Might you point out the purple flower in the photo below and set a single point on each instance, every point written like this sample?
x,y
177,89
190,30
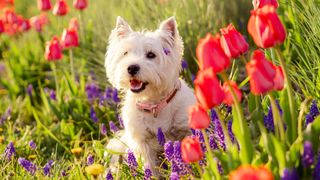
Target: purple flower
x,y
198,133
289,174
120,121
177,164
217,131
113,127
316,174
47,168
168,150
108,93
90,159
309,119
30,89
109,176
32,144
93,115
229,109
93,91
220,169
147,173
160,136
6,115
9,151
27,165
64,173
166,51
52,95
174,176
314,111
307,156
132,162
115,97
184,64
212,142
268,121
231,135
103,129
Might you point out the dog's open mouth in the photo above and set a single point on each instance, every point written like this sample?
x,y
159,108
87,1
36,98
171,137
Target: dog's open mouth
x,y
137,86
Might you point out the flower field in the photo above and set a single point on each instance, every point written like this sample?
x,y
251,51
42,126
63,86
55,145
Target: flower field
x,y
254,67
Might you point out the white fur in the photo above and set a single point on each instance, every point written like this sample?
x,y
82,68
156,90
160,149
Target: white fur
x,y
162,73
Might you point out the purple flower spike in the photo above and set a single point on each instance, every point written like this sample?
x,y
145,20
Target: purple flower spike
x,y
47,168
32,145
218,133
27,165
108,93
289,174
93,91
168,150
147,173
115,97
184,64
120,121
90,159
52,95
166,51
161,138
113,127
174,176
268,121
10,151
132,162
316,174
93,115
212,142
307,156
314,111
103,129
232,138
109,176
30,89
6,115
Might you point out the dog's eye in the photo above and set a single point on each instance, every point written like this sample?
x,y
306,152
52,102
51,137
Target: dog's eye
x,y
150,55
125,53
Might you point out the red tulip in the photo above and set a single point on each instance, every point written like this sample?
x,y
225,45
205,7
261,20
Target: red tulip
x,y
70,38
44,5
261,73
25,25
232,42
4,3
74,24
1,26
210,54
60,8
228,98
10,17
80,4
53,50
279,79
265,27
38,22
191,150
198,117
251,173
260,3
207,89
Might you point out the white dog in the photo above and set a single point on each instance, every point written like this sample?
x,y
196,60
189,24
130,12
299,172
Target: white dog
x,y
145,66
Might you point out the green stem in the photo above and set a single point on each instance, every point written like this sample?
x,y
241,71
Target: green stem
x,y
290,95
243,59
82,27
199,169
54,69
300,118
277,119
71,63
246,148
224,130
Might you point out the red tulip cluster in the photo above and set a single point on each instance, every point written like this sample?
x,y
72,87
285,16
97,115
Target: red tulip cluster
x,y
250,172
214,54
12,23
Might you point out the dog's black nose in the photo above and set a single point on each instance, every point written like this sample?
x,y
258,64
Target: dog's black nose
x,y
133,69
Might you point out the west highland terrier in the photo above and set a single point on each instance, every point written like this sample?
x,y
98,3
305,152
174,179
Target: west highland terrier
x,y
145,66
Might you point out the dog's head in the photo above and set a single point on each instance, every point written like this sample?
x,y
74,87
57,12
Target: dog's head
x,y
144,62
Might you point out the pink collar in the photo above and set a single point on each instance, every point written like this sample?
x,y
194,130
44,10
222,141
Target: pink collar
x,y
155,109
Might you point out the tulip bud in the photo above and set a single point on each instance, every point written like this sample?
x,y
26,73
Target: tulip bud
x,y
60,8
191,150
198,117
44,5
228,98
70,38
53,50
80,4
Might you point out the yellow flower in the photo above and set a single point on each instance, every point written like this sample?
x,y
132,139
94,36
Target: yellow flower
x,y
95,169
1,139
1,129
32,157
77,151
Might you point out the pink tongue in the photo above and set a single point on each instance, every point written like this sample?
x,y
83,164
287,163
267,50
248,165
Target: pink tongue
x,y
135,83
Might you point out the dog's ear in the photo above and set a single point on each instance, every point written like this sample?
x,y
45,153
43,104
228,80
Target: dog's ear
x,y
122,28
170,25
